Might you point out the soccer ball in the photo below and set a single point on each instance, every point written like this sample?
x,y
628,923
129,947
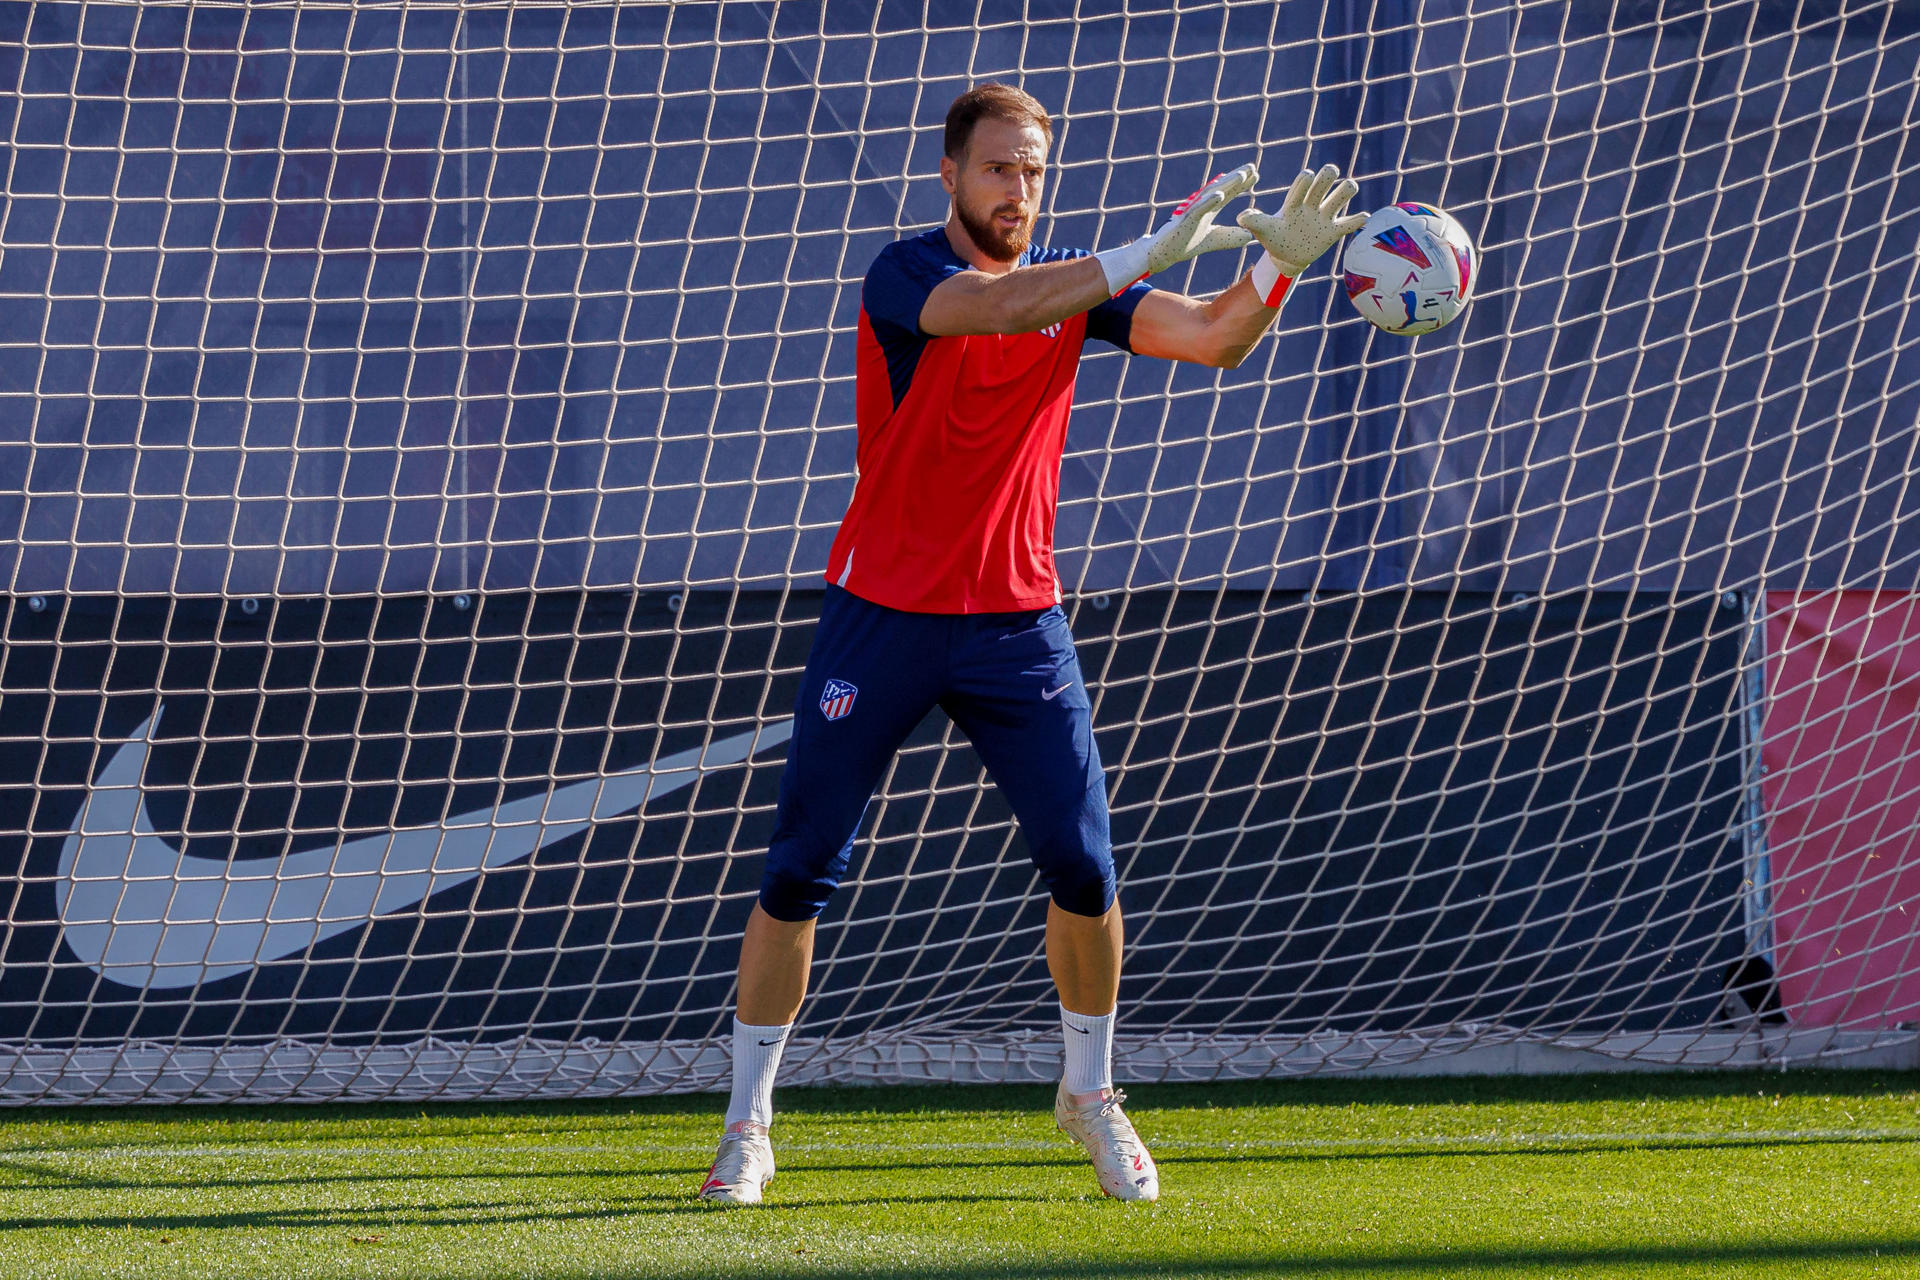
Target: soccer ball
x,y
1411,269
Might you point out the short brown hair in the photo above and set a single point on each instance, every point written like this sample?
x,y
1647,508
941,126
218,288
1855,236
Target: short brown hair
x,y
1001,101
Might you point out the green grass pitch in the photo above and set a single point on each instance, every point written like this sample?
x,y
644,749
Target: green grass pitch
x,y
1734,1175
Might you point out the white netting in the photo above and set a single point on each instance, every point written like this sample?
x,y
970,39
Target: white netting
x,y
429,424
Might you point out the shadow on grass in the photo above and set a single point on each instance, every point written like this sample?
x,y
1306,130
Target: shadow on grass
x,y
853,1106
475,1213
45,1175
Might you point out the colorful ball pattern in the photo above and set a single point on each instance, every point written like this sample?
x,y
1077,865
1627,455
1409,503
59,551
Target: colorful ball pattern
x,y
1411,269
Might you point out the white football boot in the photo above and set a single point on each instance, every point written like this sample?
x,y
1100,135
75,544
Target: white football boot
x,y
741,1168
1119,1157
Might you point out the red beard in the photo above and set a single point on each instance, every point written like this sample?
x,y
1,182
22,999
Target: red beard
x,y
995,241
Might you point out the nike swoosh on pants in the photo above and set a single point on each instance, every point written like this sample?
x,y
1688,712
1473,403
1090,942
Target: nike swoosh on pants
x,y
142,913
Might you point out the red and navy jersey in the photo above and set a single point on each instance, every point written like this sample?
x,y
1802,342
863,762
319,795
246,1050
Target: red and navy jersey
x,y
959,443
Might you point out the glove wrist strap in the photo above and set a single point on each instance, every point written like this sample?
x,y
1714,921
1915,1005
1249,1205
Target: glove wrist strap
x,y
1272,278
1124,266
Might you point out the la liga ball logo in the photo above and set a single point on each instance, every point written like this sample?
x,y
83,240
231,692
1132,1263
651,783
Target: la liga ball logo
x,y
1411,269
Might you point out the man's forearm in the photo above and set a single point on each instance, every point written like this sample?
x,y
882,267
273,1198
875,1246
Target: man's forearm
x,y
1238,318
1050,293
1023,301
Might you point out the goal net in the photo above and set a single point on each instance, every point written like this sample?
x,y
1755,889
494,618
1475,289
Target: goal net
x,y
424,427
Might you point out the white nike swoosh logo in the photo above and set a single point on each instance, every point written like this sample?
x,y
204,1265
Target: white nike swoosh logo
x,y
139,912
1048,695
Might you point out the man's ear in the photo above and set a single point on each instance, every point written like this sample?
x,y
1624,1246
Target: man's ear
x,y
949,173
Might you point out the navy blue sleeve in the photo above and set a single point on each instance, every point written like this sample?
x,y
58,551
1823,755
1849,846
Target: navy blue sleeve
x,y
1112,320
897,286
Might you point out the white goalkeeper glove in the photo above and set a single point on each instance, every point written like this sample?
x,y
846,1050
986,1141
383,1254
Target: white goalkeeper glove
x,y
1188,233
1308,224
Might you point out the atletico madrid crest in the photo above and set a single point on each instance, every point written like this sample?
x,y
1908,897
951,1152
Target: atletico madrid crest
x,y
837,699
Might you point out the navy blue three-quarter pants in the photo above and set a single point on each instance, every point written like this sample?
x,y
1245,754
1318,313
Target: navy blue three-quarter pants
x,y
1011,681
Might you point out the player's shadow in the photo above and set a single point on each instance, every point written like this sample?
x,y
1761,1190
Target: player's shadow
x,y
18,1173
474,1213
599,1119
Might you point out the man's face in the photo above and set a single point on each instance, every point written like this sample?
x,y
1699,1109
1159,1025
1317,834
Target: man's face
x,y
996,185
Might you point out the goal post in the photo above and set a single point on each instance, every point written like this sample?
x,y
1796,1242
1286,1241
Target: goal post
x,y
426,426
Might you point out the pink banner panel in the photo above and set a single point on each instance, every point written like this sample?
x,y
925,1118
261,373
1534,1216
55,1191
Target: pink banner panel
x,y
1842,791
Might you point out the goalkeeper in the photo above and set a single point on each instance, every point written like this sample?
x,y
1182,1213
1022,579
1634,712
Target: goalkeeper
x,y
942,589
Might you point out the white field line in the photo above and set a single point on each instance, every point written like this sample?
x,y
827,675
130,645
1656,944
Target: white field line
x,y
1385,1144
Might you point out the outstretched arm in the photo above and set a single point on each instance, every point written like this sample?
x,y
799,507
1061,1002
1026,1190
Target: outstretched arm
x,y
1032,298
1222,330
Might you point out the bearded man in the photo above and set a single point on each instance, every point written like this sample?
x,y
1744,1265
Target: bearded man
x,y
942,589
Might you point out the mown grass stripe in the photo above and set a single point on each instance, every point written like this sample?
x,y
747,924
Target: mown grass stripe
x,y
453,1146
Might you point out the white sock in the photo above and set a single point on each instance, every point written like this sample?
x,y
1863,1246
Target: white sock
x,y
1089,1051
756,1057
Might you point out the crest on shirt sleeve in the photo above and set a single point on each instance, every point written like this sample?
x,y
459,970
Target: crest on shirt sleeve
x,y
836,700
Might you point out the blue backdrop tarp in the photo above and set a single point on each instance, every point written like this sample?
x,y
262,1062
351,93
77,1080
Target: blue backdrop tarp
x,y
340,301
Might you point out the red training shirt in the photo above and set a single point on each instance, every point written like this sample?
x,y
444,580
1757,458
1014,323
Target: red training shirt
x,y
959,443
